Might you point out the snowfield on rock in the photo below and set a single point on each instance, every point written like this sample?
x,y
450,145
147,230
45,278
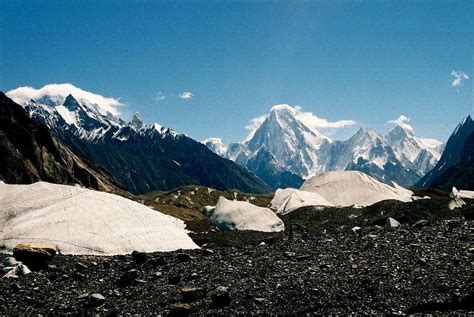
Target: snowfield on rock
x,y
455,193
82,221
289,199
348,188
240,215
339,189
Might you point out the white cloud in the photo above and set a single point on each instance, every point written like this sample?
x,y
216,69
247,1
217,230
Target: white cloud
x,y
61,91
253,126
307,118
159,96
314,122
402,121
458,77
185,95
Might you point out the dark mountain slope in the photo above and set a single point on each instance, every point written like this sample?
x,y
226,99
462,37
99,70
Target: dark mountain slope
x,y
451,155
461,174
28,153
146,163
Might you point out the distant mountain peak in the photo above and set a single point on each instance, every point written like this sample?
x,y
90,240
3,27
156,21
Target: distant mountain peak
x,y
137,120
71,103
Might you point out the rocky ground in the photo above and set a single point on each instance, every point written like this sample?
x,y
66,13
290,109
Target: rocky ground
x,y
319,265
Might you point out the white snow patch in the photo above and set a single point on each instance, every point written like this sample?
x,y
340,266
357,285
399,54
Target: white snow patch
x,y
348,188
67,115
81,221
462,193
240,215
289,199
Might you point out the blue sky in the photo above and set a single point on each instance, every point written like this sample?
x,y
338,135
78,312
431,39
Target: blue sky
x,y
365,61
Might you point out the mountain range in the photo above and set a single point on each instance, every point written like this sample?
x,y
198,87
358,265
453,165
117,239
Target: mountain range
x,y
295,150
141,157
60,138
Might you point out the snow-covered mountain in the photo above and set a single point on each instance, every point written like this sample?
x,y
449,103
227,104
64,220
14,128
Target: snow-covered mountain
x,y
409,149
294,145
289,143
142,157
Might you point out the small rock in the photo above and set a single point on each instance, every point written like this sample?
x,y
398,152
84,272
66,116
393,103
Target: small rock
x,y
140,281
160,261
139,257
9,262
259,299
422,260
297,232
17,271
96,299
391,223
78,276
180,309
83,296
157,275
191,294
303,257
80,267
207,252
221,297
183,257
420,223
356,230
174,279
128,277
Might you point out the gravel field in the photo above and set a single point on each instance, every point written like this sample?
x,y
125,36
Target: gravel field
x,y
425,267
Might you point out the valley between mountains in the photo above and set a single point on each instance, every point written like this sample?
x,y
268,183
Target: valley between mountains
x,y
103,216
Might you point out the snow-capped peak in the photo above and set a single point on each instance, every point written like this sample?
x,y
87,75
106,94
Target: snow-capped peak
x,y
55,95
412,150
136,121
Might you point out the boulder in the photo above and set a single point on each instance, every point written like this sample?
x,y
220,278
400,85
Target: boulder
x,y
35,256
391,223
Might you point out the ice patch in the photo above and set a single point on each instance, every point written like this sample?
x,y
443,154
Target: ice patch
x,y
81,221
240,215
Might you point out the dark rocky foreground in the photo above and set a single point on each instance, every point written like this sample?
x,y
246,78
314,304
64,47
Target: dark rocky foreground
x,y
419,267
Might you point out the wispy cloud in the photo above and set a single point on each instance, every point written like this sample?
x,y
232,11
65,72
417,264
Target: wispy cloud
x,y
315,122
402,121
186,95
159,96
458,78
106,104
253,125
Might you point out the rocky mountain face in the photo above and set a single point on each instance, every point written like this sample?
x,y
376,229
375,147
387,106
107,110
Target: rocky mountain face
x,y
295,147
29,153
141,157
456,165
